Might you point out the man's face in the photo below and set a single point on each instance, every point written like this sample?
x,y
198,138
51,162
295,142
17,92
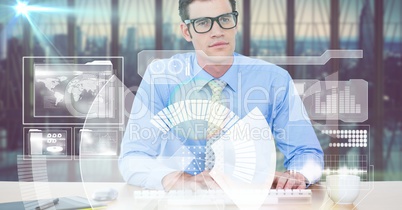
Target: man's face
x,y
218,41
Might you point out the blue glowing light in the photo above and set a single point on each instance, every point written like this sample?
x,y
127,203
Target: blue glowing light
x,y
22,8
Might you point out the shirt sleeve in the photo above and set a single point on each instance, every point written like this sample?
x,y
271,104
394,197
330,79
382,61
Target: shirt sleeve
x,y
142,141
294,133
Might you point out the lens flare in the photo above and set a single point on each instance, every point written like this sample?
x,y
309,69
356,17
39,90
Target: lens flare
x,y
22,8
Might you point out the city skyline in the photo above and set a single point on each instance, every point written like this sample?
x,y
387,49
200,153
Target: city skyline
x,y
308,22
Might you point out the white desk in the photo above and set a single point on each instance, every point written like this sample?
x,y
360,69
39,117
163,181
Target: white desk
x,y
382,195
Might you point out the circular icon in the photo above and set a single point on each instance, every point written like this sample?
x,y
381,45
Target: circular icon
x,y
157,67
54,149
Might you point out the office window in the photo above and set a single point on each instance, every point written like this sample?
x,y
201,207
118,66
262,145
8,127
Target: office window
x,y
136,33
356,31
312,27
312,35
49,31
268,28
93,30
172,38
392,149
352,19
392,52
137,25
239,37
11,25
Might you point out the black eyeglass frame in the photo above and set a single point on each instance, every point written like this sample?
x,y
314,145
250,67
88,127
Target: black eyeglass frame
x,y
213,19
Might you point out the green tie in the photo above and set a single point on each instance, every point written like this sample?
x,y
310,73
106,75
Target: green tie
x,y
216,87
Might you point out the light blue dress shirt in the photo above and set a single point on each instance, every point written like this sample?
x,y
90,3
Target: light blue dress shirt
x,y
148,154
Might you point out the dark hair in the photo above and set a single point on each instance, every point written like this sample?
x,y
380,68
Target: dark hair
x,y
183,8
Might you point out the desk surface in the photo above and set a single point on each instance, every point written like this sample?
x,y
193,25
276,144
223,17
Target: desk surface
x,y
377,195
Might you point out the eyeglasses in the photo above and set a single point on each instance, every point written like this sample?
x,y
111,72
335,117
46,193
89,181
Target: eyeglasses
x,y
204,24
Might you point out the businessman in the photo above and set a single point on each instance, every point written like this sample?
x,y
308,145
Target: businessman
x,y
217,74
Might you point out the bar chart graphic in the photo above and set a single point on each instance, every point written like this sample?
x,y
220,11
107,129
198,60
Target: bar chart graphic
x,y
346,103
335,100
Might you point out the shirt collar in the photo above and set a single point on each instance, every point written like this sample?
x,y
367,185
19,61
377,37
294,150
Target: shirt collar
x,y
202,77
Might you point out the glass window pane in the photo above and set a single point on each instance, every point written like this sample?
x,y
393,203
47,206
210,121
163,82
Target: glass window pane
x,y
137,25
268,28
136,33
357,32
172,38
49,31
93,27
312,35
239,37
392,97
312,29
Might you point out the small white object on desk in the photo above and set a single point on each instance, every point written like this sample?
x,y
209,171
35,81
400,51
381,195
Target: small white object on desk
x,y
343,189
106,194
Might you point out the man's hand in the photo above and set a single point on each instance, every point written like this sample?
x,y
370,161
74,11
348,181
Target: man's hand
x,y
183,181
289,180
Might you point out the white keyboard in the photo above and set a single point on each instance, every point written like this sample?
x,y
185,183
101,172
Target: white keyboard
x,y
208,197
